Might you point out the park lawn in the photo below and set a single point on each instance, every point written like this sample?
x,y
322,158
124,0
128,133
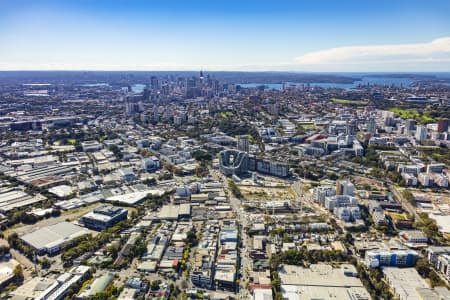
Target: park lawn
x,y
225,114
72,141
405,113
412,113
427,118
347,101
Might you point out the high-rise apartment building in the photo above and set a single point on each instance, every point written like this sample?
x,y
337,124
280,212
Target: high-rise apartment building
x,y
421,133
243,143
443,125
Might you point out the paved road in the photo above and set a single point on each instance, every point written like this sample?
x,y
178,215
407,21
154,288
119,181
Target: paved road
x,y
245,261
242,218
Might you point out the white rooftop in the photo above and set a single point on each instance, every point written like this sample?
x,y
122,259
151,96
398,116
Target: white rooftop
x,y
53,235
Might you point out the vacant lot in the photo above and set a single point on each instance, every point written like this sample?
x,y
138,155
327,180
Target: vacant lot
x,y
261,193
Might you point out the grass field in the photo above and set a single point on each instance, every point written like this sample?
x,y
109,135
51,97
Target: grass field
x,y
397,216
412,114
347,101
225,114
307,125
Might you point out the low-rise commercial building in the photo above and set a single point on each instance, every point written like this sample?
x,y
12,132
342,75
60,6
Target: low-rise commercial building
x,y
321,282
104,217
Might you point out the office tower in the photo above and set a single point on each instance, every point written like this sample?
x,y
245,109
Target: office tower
x,y
154,83
442,125
243,143
409,126
421,133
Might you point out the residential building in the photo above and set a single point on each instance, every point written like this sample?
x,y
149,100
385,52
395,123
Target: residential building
x,y
421,133
391,257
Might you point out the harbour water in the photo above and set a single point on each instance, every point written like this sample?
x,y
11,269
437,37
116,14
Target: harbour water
x,y
364,81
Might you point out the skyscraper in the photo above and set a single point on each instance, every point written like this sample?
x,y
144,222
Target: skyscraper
x,y
154,84
243,143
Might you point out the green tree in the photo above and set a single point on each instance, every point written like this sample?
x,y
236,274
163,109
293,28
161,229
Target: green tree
x,y
116,150
18,273
408,196
234,189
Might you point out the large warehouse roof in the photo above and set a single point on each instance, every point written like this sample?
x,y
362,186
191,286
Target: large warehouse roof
x,y
53,235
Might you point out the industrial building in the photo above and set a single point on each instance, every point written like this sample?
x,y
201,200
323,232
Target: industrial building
x,y
51,289
38,174
405,283
174,212
11,198
50,239
7,272
321,282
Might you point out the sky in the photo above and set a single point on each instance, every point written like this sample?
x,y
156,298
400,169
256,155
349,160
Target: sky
x,y
244,35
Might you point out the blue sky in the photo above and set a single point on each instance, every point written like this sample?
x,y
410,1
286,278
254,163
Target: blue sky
x,y
319,35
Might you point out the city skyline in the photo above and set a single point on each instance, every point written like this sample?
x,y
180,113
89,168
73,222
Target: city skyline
x,y
378,36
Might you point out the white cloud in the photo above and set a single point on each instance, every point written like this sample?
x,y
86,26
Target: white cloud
x,y
431,56
421,55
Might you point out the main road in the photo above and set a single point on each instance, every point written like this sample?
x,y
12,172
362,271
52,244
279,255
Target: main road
x,y
242,218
